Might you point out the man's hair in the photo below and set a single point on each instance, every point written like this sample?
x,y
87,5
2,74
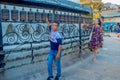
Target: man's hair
x,y
56,22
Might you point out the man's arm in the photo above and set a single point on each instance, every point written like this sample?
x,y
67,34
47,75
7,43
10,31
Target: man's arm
x,y
58,53
47,21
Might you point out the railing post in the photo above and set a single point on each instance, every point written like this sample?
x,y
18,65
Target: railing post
x,y
80,43
2,64
31,52
1,41
53,15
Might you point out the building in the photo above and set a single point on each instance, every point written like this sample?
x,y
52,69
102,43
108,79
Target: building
x,y
96,5
110,9
111,14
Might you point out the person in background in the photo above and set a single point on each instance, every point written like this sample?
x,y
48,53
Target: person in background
x,y
118,33
55,50
111,28
116,28
96,41
118,25
107,28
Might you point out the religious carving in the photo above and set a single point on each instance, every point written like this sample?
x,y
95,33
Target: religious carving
x,y
10,29
25,30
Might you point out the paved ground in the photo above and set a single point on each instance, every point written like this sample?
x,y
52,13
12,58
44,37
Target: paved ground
x,y
107,66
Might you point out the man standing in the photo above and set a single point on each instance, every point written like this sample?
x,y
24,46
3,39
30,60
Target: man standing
x,y
55,49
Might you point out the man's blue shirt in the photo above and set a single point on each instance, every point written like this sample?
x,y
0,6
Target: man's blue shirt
x,y
55,39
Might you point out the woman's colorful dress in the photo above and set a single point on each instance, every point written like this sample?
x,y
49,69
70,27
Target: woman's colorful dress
x,y
97,38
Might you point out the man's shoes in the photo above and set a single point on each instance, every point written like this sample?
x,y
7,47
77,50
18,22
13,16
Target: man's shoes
x,y
50,78
57,78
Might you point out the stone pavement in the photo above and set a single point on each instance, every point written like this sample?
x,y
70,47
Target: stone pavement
x,y
107,66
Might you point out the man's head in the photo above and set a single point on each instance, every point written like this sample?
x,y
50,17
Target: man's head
x,y
55,26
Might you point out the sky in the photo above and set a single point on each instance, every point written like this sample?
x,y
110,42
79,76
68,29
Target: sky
x,y
111,1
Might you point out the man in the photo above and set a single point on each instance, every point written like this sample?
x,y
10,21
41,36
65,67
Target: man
x,y
55,49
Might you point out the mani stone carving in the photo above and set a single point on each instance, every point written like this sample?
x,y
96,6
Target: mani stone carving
x,y
10,29
25,29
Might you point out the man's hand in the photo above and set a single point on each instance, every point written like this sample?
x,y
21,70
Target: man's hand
x,y
57,56
58,53
84,22
47,21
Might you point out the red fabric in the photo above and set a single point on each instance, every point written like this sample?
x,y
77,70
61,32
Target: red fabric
x,y
118,35
110,27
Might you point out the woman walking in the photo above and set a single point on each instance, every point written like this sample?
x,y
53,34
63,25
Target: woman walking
x,y
96,41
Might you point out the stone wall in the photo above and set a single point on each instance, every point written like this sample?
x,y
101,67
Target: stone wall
x,y
26,41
